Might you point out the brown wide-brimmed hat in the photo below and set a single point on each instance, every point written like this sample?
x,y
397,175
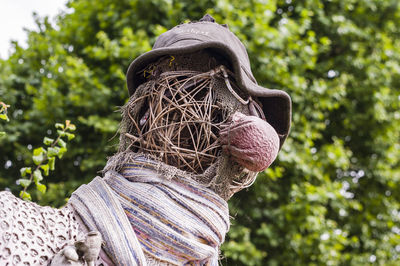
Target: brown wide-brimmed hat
x,y
207,34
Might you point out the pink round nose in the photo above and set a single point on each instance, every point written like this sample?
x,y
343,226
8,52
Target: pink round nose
x,y
251,141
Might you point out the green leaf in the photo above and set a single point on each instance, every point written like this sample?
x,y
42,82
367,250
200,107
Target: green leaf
x,y
25,170
59,126
2,134
51,163
52,151
48,141
45,168
70,136
71,127
61,152
61,133
38,155
25,195
24,182
4,117
37,176
61,143
38,151
38,159
41,187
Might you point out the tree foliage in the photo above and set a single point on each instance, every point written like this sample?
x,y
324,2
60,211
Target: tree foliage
x,y
3,115
332,196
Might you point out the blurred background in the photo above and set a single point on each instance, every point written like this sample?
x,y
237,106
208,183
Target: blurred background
x,y
333,195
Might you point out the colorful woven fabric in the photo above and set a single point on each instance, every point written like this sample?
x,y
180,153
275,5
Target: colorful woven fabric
x,y
139,211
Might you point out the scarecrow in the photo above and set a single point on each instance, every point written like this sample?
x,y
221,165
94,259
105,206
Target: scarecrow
x,y
196,129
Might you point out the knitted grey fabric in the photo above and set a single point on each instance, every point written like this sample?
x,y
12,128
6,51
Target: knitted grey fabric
x,y
31,234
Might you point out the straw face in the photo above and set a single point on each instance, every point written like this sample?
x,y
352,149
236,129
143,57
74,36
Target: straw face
x,y
180,120
176,115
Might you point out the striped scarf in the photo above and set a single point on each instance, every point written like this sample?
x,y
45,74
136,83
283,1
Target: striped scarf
x,y
139,211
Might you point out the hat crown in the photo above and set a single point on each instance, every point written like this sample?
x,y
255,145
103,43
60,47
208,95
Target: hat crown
x,y
207,17
203,31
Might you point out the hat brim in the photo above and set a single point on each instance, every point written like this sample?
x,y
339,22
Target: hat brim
x,y
276,104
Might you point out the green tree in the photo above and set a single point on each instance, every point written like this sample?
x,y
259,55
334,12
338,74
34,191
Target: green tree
x,y
332,196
